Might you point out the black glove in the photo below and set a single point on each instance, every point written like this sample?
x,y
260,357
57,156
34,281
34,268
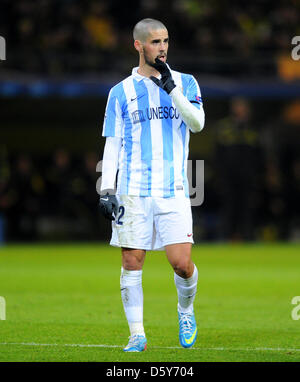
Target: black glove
x,y
166,82
109,205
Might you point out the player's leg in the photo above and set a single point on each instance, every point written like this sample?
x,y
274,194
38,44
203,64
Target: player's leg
x,y
179,256
132,231
132,296
133,259
173,222
186,279
185,274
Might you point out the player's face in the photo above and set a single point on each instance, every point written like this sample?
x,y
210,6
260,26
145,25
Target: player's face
x,y
156,46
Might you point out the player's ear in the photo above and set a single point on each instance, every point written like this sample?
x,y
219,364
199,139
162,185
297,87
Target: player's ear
x,y
138,46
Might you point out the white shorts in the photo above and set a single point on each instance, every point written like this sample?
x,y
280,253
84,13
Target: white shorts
x,y
151,223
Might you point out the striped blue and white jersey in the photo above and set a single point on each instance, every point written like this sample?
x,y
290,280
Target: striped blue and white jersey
x,y
155,140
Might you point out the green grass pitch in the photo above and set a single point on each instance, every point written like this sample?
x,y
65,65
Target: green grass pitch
x,y
63,303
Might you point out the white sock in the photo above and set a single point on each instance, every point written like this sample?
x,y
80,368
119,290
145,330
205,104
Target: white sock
x,y
186,291
132,298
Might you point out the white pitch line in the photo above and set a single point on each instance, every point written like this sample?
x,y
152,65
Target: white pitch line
x,y
153,347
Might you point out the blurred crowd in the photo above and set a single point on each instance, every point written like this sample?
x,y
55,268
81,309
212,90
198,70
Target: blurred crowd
x,y
73,36
253,179
49,197
251,192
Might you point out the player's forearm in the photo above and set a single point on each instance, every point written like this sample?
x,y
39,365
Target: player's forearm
x,y
193,117
110,163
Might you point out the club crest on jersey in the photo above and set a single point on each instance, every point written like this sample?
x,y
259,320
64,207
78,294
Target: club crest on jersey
x,y
138,116
198,98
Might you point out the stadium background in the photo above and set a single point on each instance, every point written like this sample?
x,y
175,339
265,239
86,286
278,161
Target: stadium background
x,y
62,57
59,278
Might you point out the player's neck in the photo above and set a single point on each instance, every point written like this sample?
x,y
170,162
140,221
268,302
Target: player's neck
x,y
147,70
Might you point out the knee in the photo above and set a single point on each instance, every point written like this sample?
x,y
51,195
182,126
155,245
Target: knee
x,y
131,261
184,268
131,264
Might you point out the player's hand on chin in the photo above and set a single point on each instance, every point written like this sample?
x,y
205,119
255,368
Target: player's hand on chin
x,y
166,82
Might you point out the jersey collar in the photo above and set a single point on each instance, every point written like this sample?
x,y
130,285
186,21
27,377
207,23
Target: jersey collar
x,y
139,77
136,75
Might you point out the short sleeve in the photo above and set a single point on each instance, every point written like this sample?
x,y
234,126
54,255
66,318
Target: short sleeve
x,y
113,121
193,93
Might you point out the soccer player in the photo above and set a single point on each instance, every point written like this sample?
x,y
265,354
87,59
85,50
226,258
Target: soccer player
x,y
144,189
